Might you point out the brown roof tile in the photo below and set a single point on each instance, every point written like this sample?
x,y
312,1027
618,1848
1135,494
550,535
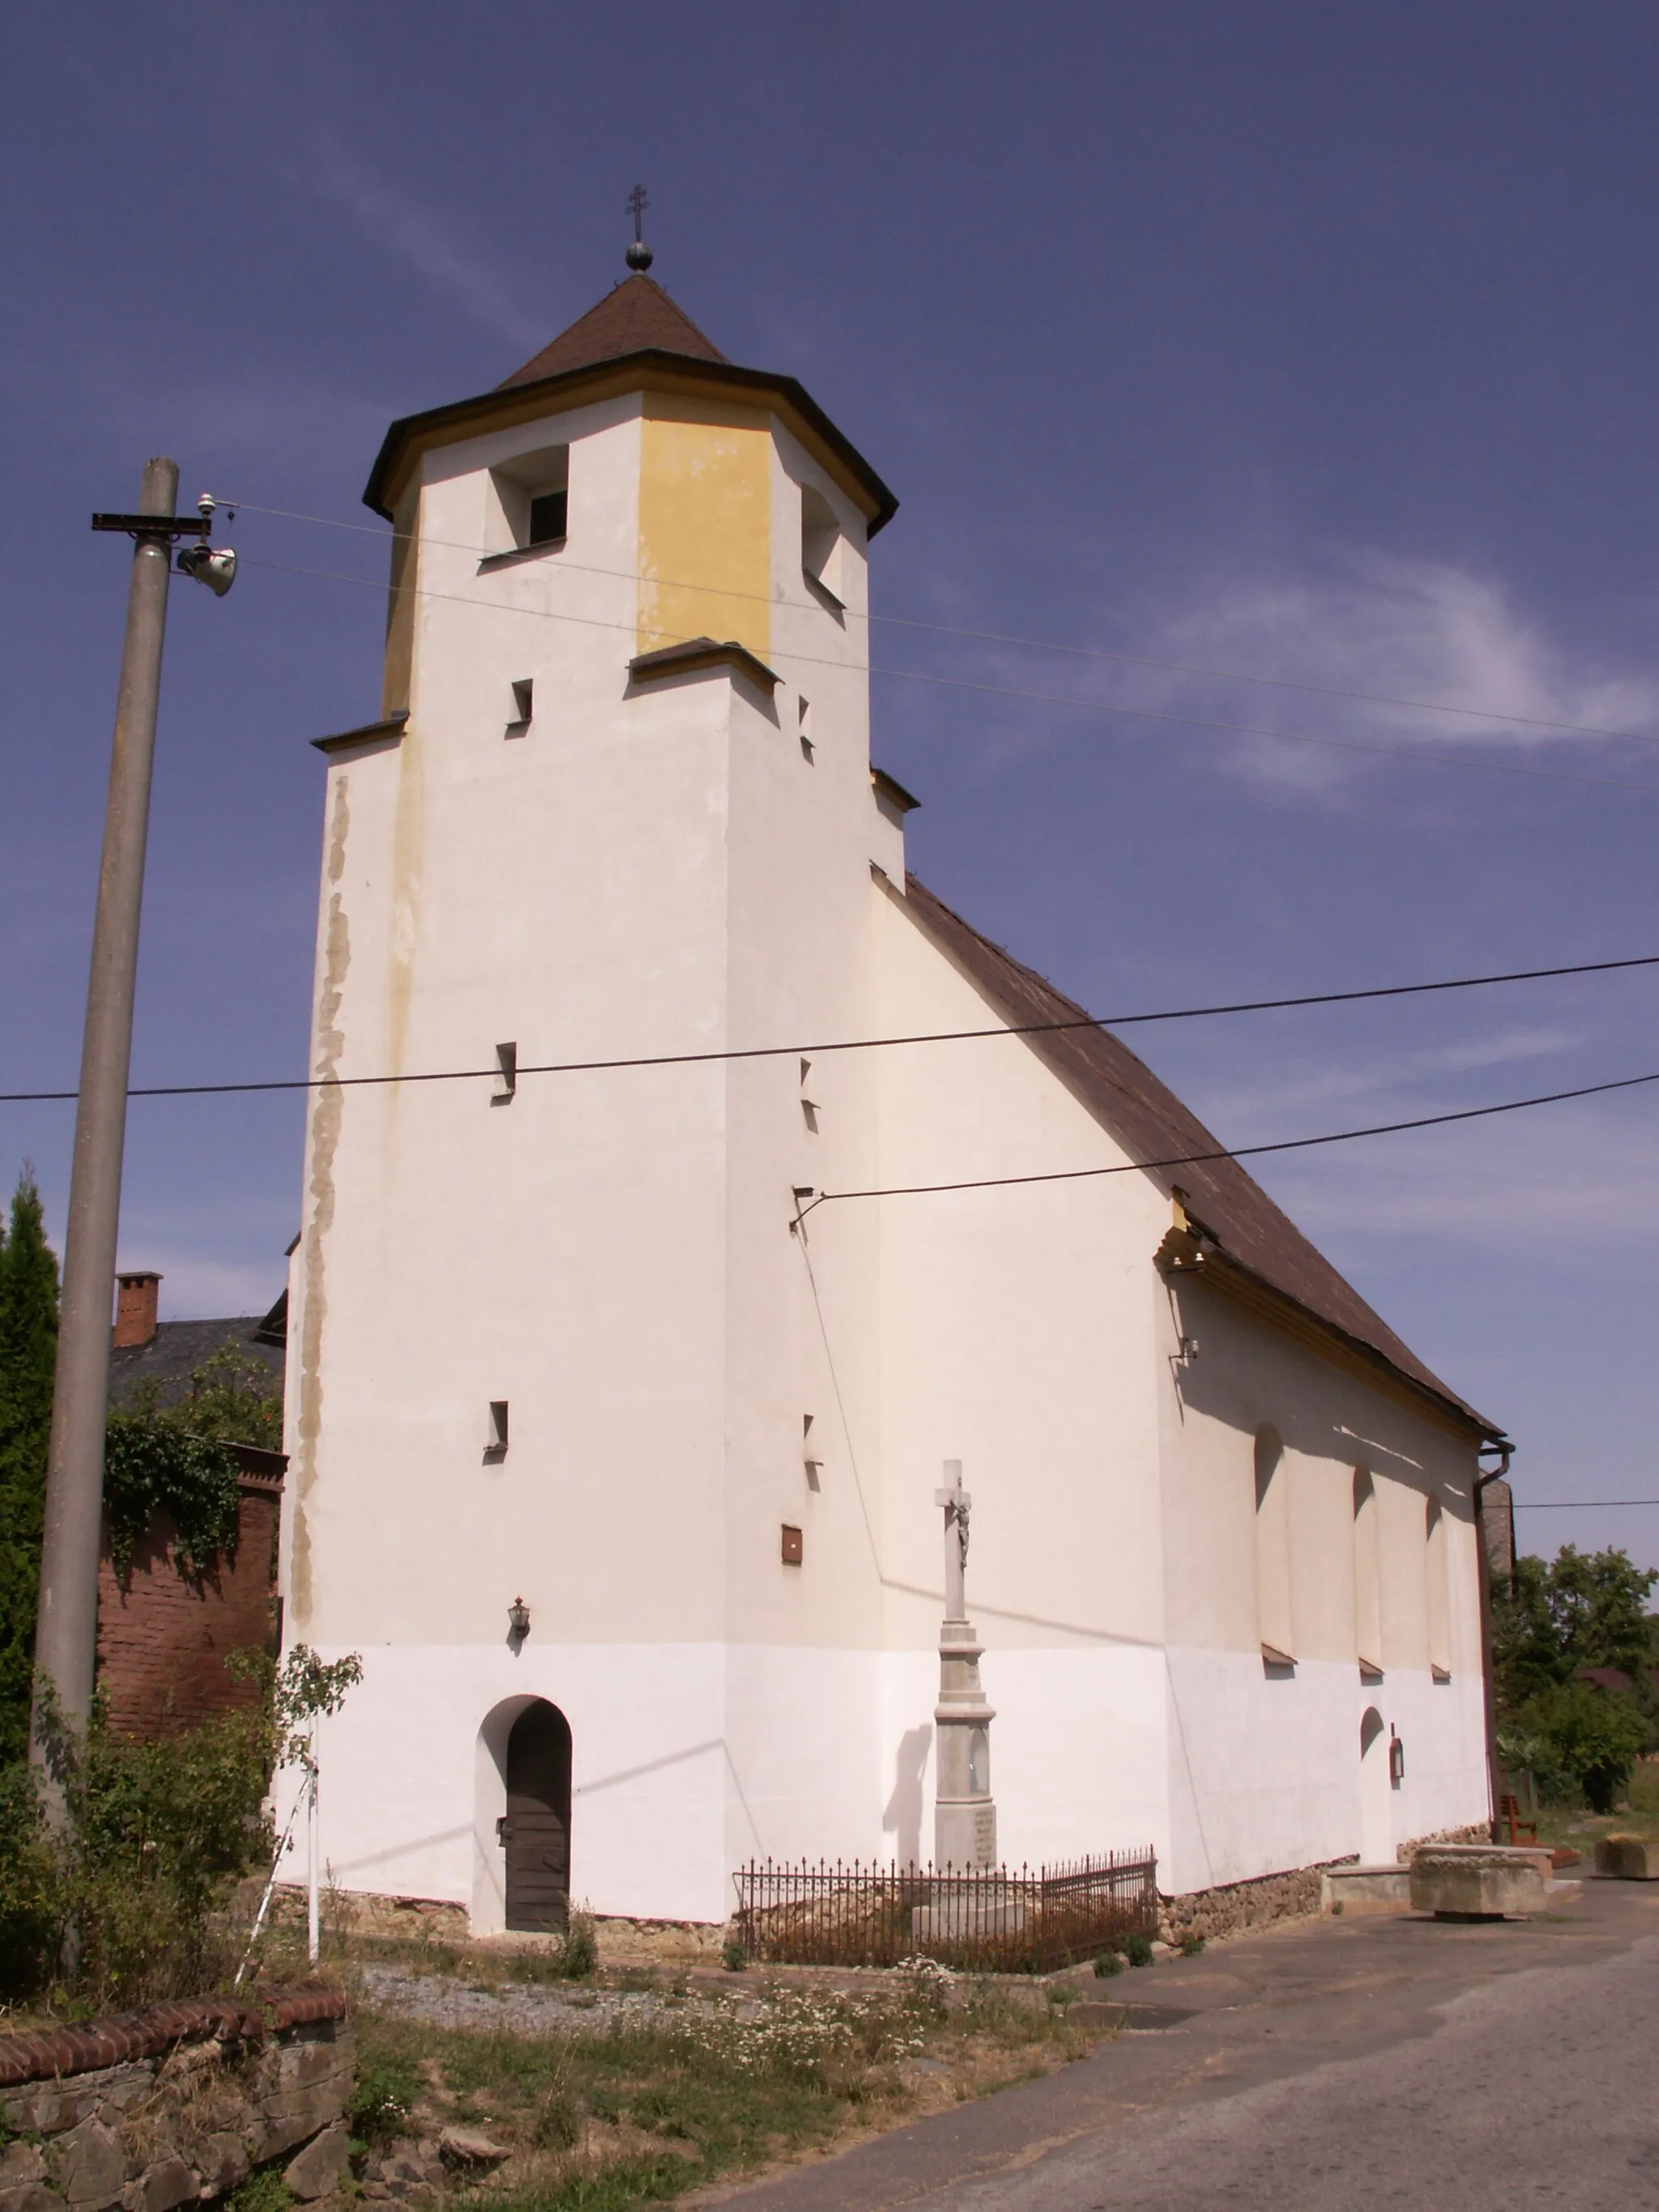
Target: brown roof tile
x,y
636,317
1152,1124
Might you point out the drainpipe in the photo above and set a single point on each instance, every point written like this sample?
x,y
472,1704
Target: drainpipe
x,y
1503,1446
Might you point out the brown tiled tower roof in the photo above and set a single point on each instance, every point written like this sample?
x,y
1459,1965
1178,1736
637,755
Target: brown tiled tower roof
x,y
1225,1203
636,317
635,339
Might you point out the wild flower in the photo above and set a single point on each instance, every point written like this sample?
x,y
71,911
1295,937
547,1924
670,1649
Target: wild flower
x,y
816,2036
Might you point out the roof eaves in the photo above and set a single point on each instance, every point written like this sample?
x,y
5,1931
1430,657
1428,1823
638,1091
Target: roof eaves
x,y
1200,1257
520,402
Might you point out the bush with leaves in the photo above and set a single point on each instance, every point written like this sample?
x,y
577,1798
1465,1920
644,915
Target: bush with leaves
x,y
157,1839
154,1467
1580,1741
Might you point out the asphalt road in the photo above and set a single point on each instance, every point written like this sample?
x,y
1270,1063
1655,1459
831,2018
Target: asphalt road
x,y
1352,2065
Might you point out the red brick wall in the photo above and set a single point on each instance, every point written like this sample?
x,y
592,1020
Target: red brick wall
x,y
161,1642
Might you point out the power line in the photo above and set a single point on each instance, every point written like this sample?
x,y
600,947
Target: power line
x,y
1574,1504
1001,637
860,1044
1040,698
1233,1152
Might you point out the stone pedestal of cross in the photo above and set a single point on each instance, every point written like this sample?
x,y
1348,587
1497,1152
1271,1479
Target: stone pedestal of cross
x,y
964,1814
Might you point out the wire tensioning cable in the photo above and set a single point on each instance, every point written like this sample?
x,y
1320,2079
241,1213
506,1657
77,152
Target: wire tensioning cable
x,y
1208,724
856,1044
1002,637
1229,1153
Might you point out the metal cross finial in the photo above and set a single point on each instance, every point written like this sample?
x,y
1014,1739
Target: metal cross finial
x,y
639,253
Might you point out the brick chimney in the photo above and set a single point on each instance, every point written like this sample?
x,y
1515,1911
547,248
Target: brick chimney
x,y
135,1297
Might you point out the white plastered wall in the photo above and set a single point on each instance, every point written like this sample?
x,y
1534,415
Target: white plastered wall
x,y
1016,1336
1265,1762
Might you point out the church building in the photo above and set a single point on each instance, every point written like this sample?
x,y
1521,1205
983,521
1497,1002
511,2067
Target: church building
x,y
632,1334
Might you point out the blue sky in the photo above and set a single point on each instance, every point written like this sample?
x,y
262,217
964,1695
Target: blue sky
x,y
1309,342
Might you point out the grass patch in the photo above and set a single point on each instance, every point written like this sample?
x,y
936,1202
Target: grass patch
x,y
1578,1830
641,2112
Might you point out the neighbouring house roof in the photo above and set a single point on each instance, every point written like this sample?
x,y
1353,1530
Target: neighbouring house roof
x,y
1604,1678
1229,1216
180,1347
635,340
637,317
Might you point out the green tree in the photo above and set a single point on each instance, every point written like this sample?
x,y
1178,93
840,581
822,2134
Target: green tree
x,y
1580,1609
1580,1741
28,1348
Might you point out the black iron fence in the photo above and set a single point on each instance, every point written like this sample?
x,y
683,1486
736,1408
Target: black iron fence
x,y
993,1921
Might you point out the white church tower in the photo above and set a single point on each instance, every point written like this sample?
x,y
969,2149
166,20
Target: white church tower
x,y
553,1342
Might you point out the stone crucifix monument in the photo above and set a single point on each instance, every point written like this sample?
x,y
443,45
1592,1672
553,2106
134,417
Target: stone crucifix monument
x,y
965,1816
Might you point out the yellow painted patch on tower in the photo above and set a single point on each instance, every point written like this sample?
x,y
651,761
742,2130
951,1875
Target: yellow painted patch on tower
x,y
705,525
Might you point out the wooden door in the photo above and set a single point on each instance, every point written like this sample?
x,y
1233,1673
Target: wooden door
x,y
537,1829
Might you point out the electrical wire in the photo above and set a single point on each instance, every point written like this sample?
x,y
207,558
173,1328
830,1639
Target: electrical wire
x,y
858,1044
1040,698
1573,1504
1231,1152
1001,637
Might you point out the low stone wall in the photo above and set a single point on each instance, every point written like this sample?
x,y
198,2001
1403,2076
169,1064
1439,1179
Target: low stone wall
x,y
1236,1905
622,1942
176,2105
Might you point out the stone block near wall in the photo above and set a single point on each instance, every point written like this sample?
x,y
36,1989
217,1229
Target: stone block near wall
x,y
1385,1888
1627,1858
176,2105
1478,1881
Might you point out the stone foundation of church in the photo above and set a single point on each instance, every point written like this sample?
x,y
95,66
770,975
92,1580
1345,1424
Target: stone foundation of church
x,y
1234,1907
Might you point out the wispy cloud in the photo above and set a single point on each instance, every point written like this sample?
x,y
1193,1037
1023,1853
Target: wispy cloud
x,y
1423,638
432,244
1388,648
1566,1178
1262,1099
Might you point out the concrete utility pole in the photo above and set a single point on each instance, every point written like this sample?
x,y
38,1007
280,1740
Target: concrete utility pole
x,y
66,1634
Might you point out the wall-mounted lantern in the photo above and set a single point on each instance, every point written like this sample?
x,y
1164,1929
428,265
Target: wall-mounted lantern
x,y
1396,1758
518,1620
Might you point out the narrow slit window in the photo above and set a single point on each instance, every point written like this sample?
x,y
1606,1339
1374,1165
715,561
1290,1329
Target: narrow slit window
x,y
524,706
495,1431
805,719
506,1075
809,1449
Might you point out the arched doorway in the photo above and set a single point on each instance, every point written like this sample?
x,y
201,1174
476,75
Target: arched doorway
x,y
536,1827
1375,1799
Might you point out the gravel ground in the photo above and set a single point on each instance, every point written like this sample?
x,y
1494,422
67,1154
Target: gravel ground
x,y
546,2008
531,2009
